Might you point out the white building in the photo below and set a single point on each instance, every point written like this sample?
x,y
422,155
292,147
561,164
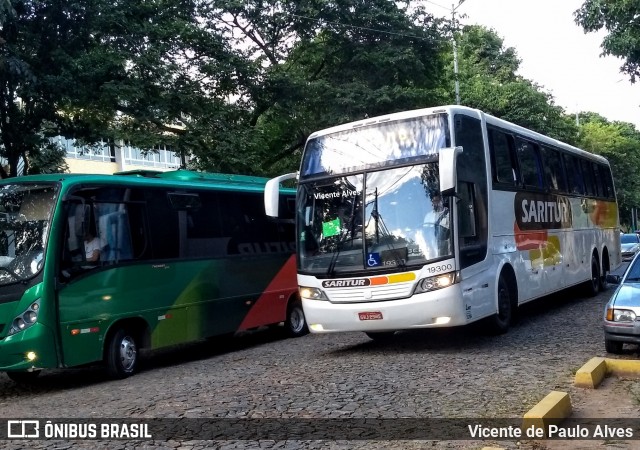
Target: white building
x,y
107,159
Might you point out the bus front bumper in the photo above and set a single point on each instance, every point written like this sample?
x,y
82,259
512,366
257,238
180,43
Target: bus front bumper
x,y
420,311
38,340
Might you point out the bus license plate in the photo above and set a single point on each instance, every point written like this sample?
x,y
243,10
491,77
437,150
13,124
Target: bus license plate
x,y
370,315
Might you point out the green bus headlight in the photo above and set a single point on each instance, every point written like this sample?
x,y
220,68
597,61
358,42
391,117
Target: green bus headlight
x,y
26,319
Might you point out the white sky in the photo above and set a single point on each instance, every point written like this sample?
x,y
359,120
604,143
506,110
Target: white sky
x,y
556,53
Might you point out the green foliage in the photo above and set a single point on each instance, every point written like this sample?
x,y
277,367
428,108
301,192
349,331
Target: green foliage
x,y
239,85
48,159
619,142
105,70
620,19
321,63
488,81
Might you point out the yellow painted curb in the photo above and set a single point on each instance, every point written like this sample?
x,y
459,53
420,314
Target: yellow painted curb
x,y
493,448
592,373
552,409
623,367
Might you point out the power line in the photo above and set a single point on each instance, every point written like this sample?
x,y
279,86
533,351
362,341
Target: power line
x,y
436,4
370,29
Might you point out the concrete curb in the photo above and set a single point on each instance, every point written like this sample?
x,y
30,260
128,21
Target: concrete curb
x,y
552,409
591,374
594,371
556,406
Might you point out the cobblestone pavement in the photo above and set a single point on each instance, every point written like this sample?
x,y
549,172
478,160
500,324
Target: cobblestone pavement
x,y
457,373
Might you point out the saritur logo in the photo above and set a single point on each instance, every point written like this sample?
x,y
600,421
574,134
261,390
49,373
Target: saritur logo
x,y
23,429
536,211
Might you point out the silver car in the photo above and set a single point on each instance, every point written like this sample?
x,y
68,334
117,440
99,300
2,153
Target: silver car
x,y
622,313
630,244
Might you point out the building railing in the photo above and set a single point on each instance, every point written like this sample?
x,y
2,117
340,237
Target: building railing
x,y
161,157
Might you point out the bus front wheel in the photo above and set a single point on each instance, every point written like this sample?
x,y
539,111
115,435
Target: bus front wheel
x,y
122,354
500,321
296,323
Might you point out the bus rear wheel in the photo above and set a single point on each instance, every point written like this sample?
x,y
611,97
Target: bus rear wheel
x,y
604,284
122,354
593,285
24,377
296,324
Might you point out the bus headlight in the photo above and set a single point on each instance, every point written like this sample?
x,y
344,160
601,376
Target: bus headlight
x,y
437,282
311,293
26,319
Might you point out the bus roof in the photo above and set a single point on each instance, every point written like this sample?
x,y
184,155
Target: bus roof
x,y
184,178
462,109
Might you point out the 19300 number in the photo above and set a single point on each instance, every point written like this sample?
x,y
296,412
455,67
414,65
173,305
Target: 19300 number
x,y
441,268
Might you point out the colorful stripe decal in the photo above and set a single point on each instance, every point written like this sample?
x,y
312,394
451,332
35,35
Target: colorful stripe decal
x,y
373,281
77,331
390,279
271,306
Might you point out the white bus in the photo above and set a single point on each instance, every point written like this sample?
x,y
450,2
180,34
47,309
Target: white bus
x,y
442,217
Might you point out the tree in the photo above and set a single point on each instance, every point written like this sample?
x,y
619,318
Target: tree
x,y
488,81
619,142
97,69
620,19
313,64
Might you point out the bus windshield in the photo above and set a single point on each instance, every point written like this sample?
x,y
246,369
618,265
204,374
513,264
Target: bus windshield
x,y
375,146
392,218
25,215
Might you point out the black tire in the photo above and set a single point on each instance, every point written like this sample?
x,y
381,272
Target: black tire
x,y
122,354
500,322
381,336
296,323
24,377
604,284
593,285
614,347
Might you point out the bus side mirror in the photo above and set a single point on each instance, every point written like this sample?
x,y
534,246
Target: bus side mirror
x,y
272,193
448,178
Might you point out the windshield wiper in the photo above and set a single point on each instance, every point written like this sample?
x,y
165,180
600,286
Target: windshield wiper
x,y
632,279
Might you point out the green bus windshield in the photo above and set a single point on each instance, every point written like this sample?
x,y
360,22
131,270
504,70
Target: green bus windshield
x,y
25,217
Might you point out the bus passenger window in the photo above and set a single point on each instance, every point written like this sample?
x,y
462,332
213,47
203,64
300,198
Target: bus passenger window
x,y
607,181
529,167
598,181
553,173
589,183
503,167
574,174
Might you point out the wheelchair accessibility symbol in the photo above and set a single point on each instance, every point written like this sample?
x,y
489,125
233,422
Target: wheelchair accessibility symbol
x,y
373,259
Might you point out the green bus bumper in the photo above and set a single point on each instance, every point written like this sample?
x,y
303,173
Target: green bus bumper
x,y
38,339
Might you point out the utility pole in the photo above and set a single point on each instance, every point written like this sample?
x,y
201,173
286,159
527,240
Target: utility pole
x,y
455,50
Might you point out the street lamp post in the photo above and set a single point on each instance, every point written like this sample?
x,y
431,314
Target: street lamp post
x,y
455,51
